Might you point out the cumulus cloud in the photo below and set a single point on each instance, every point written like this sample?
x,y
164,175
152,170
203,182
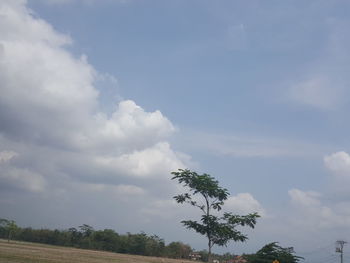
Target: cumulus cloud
x,y
244,203
157,160
131,128
51,117
313,213
338,163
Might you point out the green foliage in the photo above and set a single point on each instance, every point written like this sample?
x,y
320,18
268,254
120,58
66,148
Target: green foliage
x,y
9,228
86,237
204,185
271,252
106,239
86,230
178,250
218,229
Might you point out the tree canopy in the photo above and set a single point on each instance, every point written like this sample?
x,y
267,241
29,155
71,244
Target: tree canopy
x,y
272,252
9,227
205,193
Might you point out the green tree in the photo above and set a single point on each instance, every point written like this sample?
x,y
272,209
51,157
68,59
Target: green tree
x,y
86,230
106,239
154,246
178,250
219,230
75,236
9,227
273,251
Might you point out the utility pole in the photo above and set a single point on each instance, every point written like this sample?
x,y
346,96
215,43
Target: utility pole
x,y
339,248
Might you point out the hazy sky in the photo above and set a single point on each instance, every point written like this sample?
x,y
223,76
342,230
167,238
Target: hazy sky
x,y
101,99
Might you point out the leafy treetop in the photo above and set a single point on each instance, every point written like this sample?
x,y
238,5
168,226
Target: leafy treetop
x,y
273,251
219,230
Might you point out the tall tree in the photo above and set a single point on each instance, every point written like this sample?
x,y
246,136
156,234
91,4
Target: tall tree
x,y
219,230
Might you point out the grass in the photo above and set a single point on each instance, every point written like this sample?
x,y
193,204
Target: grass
x,y
25,252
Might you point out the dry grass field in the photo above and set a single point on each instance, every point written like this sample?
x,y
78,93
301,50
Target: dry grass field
x,y
23,252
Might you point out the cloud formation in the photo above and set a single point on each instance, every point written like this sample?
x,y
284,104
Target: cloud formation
x,y
6,156
317,92
52,124
244,203
314,214
338,163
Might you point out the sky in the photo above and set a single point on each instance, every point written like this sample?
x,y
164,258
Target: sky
x,y
101,99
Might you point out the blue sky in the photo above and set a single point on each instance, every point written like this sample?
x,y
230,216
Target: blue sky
x,y
100,100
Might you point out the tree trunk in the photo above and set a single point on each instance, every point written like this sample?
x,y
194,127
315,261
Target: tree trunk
x,y
208,231
209,251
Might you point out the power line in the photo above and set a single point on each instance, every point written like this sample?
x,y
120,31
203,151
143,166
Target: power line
x,y
316,250
322,259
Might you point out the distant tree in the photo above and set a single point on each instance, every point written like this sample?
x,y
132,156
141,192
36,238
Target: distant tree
x,y
219,230
271,252
75,236
154,246
9,227
3,227
106,239
86,230
137,243
178,250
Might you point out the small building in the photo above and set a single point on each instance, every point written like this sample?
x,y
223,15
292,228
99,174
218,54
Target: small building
x,y
195,256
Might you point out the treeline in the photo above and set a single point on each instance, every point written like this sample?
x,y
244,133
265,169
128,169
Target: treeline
x,y
87,237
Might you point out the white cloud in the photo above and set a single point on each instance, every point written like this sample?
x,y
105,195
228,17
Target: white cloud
x,y
17,24
154,161
6,156
314,214
324,84
317,91
299,197
49,108
131,128
338,162
244,203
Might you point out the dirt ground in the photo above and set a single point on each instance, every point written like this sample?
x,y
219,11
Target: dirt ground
x,y
24,252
